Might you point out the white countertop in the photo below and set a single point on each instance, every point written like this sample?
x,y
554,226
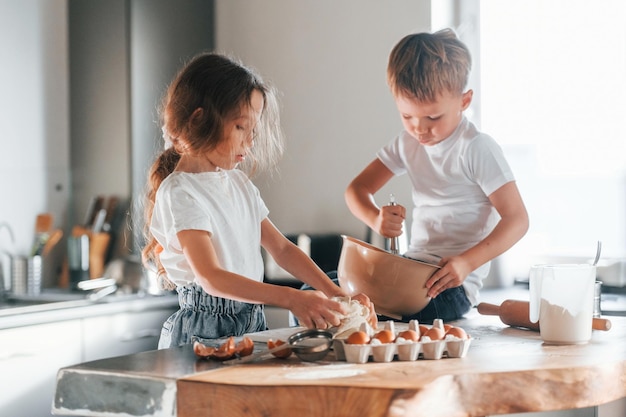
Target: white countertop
x,y
27,311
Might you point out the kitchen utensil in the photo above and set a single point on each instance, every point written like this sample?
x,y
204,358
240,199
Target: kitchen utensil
x,y
612,272
52,241
395,284
98,222
111,209
34,277
309,345
597,299
98,246
78,259
26,274
394,242
598,251
19,275
561,299
95,284
43,225
516,313
95,204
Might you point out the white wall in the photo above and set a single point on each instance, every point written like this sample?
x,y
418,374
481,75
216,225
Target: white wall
x,y
34,116
328,59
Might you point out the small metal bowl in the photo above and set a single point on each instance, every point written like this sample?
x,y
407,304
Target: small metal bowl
x,y
311,345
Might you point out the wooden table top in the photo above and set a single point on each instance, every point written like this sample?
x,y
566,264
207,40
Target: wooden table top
x,y
506,370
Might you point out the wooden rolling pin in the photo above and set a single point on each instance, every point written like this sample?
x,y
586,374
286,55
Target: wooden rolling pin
x,y
516,313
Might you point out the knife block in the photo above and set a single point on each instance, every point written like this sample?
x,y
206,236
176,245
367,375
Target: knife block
x,y
98,247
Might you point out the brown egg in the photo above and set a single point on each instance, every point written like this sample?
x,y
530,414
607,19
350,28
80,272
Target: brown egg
x,y
245,346
434,333
225,351
358,338
284,353
411,335
457,332
423,329
385,336
447,327
202,350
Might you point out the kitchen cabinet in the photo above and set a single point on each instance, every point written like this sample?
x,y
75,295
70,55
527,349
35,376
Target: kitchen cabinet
x,y
32,354
122,334
30,358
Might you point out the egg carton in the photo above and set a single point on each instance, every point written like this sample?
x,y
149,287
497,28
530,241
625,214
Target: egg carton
x,y
404,351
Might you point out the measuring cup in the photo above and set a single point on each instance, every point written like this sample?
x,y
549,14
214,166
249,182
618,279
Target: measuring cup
x,y
561,300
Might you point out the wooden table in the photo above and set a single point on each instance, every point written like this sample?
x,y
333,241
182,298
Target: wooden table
x,y
506,370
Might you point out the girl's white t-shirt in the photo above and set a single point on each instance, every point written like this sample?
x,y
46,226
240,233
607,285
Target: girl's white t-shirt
x,y
451,184
226,204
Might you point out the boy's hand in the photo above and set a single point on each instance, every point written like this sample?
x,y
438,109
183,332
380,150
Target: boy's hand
x,y
389,221
453,272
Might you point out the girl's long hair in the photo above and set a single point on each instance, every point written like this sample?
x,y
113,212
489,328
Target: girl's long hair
x,y
204,94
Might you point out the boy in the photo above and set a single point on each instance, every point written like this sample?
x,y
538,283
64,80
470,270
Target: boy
x,y
467,207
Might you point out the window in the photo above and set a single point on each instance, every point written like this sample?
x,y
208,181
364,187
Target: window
x,y
551,88
556,70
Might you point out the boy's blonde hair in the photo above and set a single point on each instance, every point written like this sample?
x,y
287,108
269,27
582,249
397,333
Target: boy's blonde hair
x,y
424,65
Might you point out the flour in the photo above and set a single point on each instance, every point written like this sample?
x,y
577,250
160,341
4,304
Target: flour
x,y
330,371
355,318
559,326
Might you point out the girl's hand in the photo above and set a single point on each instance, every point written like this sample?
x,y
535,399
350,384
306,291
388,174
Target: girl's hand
x,y
453,272
316,311
389,220
365,300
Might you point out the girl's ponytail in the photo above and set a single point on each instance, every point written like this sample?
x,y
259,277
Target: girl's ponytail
x,y
161,168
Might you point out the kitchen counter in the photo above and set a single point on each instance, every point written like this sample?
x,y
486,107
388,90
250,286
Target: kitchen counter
x,y
507,370
61,305
43,333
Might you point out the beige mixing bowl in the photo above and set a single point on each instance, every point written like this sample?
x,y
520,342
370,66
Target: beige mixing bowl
x,y
396,285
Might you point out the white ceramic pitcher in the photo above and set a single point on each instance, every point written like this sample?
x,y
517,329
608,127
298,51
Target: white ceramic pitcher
x,y
561,299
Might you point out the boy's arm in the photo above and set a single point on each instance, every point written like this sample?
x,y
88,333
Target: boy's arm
x,y
512,226
387,221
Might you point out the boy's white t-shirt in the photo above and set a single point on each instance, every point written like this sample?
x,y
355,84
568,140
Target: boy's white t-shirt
x,y
226,204
451,184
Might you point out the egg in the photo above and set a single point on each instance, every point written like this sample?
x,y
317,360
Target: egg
x,y
358,338
457,332
225,351
283,353
434,333
385,336
423,329
411,335
447,327
245,346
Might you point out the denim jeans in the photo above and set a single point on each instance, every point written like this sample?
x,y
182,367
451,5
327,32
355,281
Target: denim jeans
x,y
450,305
204,317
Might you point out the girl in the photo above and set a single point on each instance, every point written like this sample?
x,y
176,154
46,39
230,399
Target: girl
x,y
206,220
